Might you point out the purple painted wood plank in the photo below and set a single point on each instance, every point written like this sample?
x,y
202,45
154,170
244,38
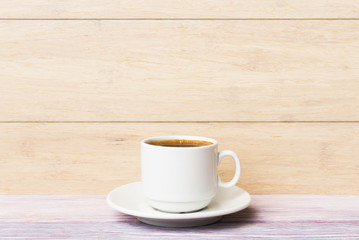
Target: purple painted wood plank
x,y
55,208
222,230
94,208
269,217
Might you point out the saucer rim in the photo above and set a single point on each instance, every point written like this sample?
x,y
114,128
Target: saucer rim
x,y
175,216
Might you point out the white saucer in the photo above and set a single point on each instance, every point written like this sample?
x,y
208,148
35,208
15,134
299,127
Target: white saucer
x,y
130,200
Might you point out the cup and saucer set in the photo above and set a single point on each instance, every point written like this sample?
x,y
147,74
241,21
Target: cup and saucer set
x,y
180,186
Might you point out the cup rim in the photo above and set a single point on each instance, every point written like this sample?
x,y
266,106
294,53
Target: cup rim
x,y
186,137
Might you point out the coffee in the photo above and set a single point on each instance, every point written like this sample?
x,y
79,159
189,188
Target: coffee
x,y
179,173
180,143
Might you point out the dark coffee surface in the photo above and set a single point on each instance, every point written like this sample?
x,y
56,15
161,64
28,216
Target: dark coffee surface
x,y
180,143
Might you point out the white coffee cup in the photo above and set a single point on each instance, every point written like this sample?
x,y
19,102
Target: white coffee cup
x,y
182,179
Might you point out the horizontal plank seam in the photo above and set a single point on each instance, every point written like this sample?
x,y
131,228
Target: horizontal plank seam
x,y
6,122
129,218
182,19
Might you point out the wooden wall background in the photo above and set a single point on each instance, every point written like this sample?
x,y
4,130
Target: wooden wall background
x,y
82,82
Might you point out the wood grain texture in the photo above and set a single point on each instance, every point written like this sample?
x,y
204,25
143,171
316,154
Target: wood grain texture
x,y
268,217
177,9
93,158
179,70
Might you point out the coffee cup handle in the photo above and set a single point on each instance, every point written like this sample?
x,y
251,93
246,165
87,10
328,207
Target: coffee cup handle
x,y
235,179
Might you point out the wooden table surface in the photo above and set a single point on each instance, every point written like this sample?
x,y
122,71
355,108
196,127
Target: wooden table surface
x,y
268,217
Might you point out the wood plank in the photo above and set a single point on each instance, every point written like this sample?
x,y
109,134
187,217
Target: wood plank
x,y
179,70
93,158
269,217
223,230
93,208
160,9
